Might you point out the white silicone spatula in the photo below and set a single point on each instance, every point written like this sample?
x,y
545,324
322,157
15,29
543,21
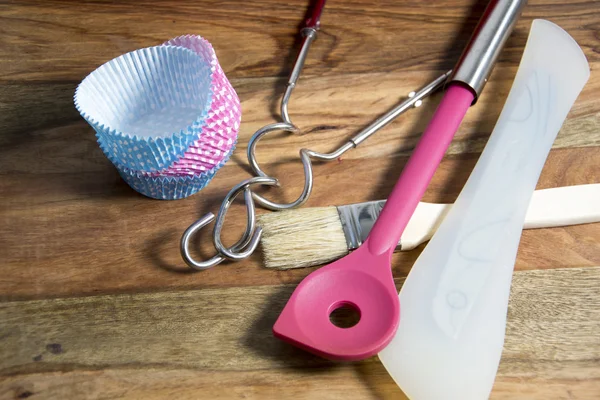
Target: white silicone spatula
x,y
455,299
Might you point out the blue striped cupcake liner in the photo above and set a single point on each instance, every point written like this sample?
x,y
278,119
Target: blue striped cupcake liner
x,y
147,106
166,187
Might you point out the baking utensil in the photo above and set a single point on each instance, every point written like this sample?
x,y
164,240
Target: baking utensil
x,y
317,235
455,298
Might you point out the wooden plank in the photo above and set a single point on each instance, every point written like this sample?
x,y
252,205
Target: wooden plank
x,y
329,109
66,41
217,343
88,233
70,227
362,381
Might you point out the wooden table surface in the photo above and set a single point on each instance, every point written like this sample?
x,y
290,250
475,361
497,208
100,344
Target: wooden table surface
x,y
95,301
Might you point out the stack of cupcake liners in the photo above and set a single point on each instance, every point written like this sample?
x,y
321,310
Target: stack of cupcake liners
x,y
165,116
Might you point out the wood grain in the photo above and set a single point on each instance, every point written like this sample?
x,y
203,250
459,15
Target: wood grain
x,y
119,241
255,41
91,265
218,341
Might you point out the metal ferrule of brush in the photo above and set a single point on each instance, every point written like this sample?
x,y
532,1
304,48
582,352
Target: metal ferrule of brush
x,y
357,221
477,61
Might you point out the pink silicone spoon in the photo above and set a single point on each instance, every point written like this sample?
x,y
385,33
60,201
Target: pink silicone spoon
x,y
363,280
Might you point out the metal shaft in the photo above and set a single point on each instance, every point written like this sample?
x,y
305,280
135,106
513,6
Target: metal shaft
x,y
495,26
414,100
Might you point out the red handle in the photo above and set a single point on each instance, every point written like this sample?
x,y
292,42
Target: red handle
x,y
314,19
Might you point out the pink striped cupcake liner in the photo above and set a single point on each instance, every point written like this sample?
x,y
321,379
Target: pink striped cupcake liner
x,y
222,124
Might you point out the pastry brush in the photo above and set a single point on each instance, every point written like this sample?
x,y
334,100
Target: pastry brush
x,y
314,236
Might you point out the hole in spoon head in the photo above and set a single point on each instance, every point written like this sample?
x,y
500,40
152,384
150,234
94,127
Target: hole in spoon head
x,y
344,315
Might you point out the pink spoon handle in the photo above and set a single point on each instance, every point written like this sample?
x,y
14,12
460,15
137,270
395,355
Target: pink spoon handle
x,y
419,170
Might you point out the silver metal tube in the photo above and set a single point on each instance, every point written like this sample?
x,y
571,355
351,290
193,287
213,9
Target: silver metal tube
x,y
414,100
333,155
310,34
477,61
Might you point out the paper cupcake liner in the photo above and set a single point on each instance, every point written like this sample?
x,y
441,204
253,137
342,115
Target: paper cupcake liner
x,y
148,106
171,186
201,160
223,121
167,188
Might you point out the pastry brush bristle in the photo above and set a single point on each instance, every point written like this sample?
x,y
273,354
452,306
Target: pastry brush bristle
x,y
302,238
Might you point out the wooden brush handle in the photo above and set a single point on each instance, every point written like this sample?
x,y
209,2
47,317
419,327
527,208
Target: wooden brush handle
x,y
549,208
